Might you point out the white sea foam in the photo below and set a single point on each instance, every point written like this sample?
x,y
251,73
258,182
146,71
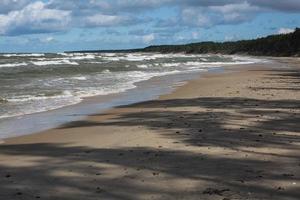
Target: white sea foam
x,y
95,62
24,55
127,81
75,54
80,78
245,59
13,65
82,57
206,64
23,98
42,106
142,66
132,57
171,64
112,58
106,71
109,54
63,54
54,62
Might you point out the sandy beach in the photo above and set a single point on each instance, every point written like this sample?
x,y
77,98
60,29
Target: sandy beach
x,y
223,136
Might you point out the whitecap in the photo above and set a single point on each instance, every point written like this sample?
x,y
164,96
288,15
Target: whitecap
x,y
63,54
142,66
171,64
112,58
82,57
13,65
24,98
54,62
80,78
106,71
24,55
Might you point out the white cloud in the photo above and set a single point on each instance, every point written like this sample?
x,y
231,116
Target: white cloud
x,y
215,14
229,8
148,38
195,17
105,20
141,4
19,17
285,30
235,12
281,5
9,5
34,18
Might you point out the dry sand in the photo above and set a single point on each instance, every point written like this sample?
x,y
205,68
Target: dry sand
x,y
234,135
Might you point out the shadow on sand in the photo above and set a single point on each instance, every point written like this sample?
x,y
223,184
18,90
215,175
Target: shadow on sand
x,y
211,122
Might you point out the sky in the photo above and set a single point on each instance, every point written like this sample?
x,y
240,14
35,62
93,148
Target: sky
x,y
66,25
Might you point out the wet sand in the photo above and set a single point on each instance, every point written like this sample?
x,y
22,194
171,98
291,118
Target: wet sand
x,y
232,135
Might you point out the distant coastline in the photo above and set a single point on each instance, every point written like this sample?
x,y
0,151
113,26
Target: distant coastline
x,y
274,45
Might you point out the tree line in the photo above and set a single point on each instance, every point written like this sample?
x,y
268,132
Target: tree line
x,y
273,45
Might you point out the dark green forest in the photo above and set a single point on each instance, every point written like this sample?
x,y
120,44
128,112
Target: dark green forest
x,y
273,45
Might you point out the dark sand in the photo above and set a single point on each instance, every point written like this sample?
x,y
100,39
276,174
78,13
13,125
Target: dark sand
x,y
234,135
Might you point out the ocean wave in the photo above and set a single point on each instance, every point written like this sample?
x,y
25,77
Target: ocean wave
x,y
109,54
142,66
24,98
206,64
138,76
24,55
106,71
112,58
132,57
171,64
243,59
103,91
138,57
126,81
44,106
95,62
13,65
80,78
62,54
127,70
82,57
54,62
209,64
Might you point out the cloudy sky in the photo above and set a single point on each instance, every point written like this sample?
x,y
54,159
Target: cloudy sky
x,y
59,25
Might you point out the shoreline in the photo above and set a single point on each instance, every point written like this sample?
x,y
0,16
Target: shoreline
x,y
232,135
33,123
104,103
86,108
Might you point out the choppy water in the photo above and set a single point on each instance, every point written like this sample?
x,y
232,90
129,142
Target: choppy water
x,y
31,83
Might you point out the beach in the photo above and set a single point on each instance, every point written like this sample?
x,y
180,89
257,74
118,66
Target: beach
x,y
228,135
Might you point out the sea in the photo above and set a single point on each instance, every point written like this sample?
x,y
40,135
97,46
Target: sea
x,y
35,83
